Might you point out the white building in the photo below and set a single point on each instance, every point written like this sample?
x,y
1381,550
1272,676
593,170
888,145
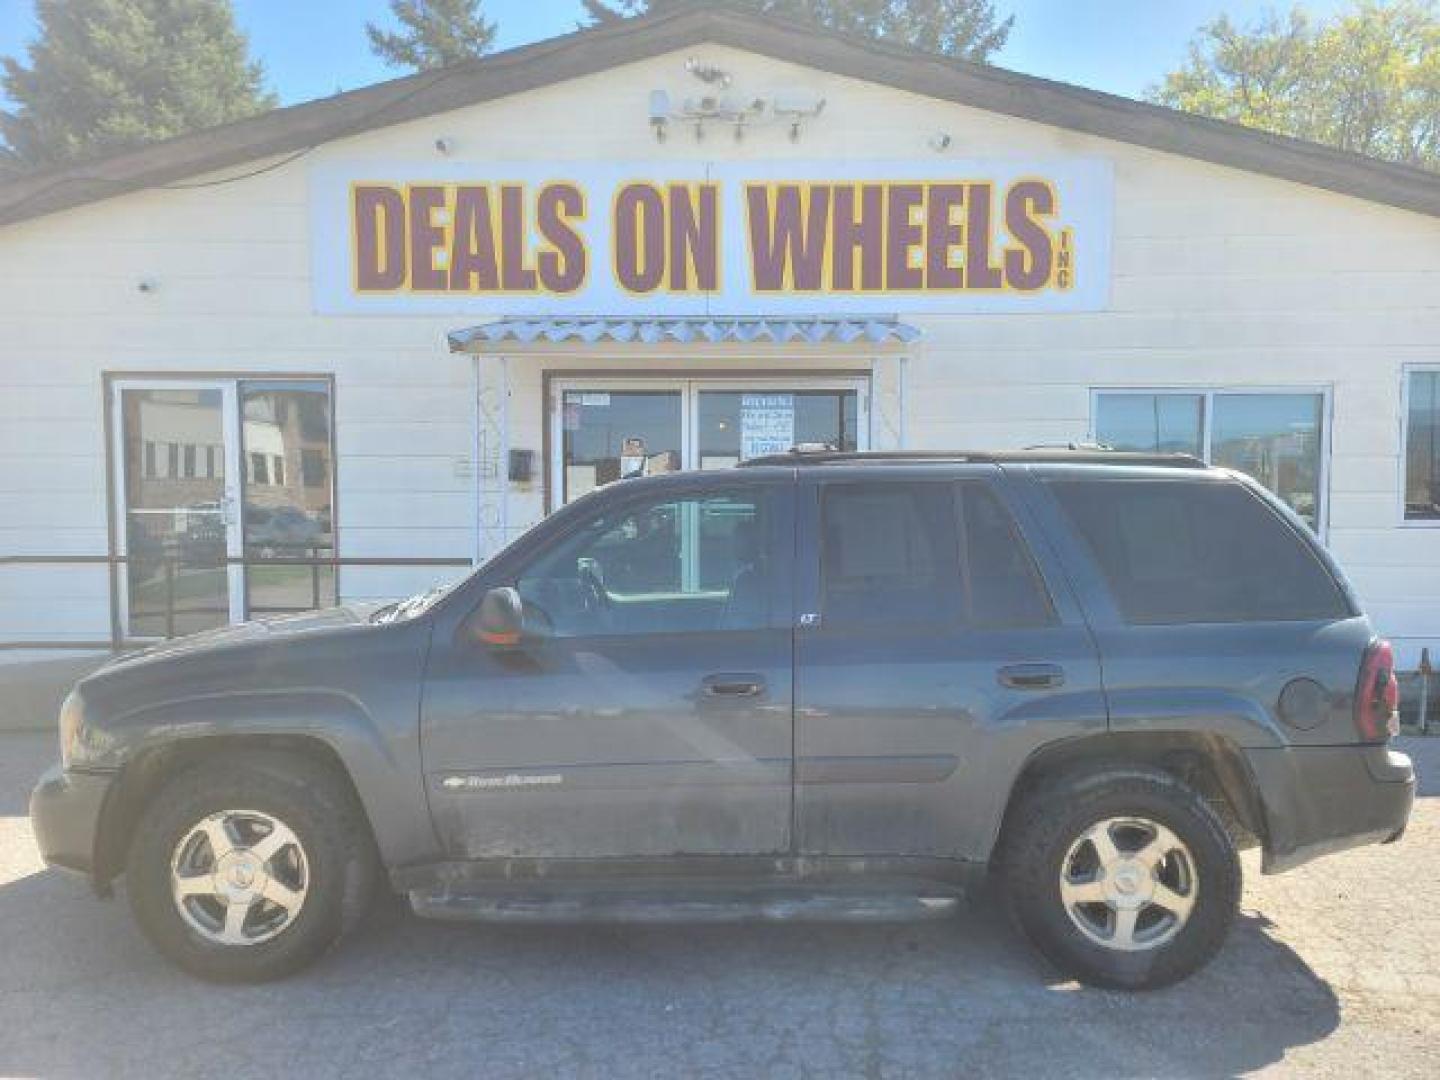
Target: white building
x,y
402,323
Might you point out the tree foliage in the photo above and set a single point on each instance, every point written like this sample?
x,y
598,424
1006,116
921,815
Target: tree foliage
x,y
434,34
969,29
1367,80
106,75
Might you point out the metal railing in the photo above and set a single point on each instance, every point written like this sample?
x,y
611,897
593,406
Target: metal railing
x,y
171,565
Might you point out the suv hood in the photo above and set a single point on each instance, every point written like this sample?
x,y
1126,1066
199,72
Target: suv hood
x,y
260,630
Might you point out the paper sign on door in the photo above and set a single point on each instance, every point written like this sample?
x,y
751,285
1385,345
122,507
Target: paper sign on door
x,y
767,424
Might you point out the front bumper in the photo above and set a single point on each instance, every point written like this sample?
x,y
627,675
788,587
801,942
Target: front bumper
x,y
65,810
1322,799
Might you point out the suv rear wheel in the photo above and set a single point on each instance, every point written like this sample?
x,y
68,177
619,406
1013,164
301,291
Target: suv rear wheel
x,y
1122,876
249,869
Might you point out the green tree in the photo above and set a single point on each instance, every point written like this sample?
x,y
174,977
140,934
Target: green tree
x,y
968,29
1366,80
434,34
106,75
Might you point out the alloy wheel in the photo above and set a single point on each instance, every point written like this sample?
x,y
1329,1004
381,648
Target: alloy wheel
x,y
239,877
1128,883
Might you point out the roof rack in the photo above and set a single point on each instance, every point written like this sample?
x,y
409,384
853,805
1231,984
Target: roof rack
x,y
1070,454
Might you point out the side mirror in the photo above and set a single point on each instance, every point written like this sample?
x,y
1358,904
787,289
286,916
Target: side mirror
x,y
501,618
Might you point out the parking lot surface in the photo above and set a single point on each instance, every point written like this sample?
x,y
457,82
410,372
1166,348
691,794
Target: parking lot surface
x,y
1333,970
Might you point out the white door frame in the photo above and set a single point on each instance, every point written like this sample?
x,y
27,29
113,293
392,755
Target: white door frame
x,y
230,433
689,390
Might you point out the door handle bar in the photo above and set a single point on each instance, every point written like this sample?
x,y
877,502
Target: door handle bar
x,y
1031,676
732,685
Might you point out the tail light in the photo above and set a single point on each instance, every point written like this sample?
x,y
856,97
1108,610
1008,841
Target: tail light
x,y
1377,696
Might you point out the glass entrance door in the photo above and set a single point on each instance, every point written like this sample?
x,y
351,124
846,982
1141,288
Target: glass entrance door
x,y
607,430
617,434
177,457
732,425
226,493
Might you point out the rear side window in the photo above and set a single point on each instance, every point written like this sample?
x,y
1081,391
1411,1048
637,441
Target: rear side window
x,y
1178,552
1002,586
889,554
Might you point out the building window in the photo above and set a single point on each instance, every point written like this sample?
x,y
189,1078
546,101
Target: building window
x,y
1422,446
282,422
1276,437
314,466
1158,423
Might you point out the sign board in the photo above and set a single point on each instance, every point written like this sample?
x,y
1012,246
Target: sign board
x,y
767,424
717,238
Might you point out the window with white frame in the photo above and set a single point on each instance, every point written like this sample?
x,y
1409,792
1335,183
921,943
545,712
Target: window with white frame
x,y
1422,445
1276,436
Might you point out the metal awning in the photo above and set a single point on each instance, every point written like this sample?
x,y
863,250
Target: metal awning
x,y
859,330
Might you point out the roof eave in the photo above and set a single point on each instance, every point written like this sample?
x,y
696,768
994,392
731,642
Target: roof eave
x,y
313,123
531,67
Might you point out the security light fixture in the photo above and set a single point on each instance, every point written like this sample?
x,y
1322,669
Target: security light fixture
x,y
708,73
659,113
791,109
795,109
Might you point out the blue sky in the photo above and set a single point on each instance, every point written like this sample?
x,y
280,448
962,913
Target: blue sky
x,y
312,48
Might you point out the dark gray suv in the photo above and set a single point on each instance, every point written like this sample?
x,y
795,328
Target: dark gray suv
x,y
842,685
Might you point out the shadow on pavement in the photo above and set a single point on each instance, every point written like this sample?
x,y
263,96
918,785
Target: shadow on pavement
x,y
82,993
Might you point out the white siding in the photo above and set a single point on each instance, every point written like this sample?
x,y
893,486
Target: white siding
x,y
1220,278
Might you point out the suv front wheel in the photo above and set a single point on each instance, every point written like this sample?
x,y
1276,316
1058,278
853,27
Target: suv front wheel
x,y
248,869
1122,876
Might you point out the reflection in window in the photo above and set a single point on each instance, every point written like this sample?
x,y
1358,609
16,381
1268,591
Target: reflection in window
x,y
734,425
1276,438
1422,447
314,470
1150,423
175,576
285,429
681,565
613,435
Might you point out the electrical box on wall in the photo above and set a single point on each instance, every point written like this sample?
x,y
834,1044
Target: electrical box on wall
x,y
522,466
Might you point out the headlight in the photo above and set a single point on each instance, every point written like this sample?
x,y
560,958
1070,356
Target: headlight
x,y
72,713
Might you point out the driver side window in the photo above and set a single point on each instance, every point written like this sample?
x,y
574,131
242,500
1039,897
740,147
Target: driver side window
x,y
674,565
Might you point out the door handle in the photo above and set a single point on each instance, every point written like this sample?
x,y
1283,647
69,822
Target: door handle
x,y
732,685
1031,676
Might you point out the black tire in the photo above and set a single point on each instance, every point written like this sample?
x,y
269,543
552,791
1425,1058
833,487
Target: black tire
x,y
315,804
1050,819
